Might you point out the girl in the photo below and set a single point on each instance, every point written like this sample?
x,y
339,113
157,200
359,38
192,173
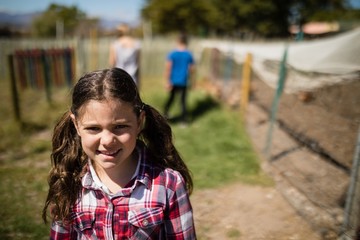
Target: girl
x,y
124,53
115,171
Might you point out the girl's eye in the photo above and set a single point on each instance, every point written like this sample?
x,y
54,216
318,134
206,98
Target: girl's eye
x,y
92,129
120,126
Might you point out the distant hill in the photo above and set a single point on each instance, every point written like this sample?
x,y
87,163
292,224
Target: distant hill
x,y
24,20
18,20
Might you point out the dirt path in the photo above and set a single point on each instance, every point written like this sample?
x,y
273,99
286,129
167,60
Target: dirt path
x,y
247,212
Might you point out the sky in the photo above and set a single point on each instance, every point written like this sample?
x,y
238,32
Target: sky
x,y
355,3
127,10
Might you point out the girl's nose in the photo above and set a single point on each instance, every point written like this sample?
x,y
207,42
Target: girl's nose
x,y
108,138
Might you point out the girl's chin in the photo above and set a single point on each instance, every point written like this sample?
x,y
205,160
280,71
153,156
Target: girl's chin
x,y
108,160
107,164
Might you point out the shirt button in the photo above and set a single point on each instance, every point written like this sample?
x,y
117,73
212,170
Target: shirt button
x,y
145,223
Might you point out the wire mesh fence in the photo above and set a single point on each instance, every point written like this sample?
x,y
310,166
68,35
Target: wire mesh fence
x,y
318,116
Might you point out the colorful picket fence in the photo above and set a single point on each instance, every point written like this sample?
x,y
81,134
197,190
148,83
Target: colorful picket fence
x,y
40,69
37,68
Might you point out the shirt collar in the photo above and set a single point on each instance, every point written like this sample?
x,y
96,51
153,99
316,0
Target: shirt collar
x,y
92,181
96,180
143,175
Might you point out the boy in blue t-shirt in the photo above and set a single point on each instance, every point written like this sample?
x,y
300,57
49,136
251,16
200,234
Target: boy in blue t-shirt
x,y
179,65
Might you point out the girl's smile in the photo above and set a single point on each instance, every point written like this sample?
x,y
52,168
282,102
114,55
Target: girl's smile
x,y
108,153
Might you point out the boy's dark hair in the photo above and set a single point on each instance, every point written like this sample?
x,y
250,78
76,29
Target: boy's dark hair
x,y
183,38
69,162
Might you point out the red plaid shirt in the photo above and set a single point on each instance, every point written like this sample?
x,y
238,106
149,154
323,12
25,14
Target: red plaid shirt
x,y
155,205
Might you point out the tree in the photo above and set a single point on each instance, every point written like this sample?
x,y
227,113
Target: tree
x,y
319,10
180,15
69,17
265,18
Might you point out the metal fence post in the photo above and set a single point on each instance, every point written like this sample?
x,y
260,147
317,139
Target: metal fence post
x,y
351,225
275,104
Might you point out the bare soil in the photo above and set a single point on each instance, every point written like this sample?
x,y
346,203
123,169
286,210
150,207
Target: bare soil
x,y
248,212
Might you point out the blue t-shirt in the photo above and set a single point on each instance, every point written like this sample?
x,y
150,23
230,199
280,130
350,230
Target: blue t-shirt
x,y
181,61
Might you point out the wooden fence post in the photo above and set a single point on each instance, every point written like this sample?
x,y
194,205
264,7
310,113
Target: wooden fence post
x,y
245,84
47,79
93,49
14,91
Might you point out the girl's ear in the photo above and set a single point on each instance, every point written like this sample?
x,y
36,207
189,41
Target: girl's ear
x,y
141,121
75,123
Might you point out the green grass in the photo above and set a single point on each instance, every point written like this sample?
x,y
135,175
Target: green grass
x,y
214,146
23,192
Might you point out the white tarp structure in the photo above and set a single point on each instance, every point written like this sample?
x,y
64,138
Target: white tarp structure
x,y
311,64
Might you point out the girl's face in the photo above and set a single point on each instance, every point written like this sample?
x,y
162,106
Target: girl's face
x,y
108,131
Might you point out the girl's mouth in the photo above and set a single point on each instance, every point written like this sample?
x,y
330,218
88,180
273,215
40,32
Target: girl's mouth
x,y
108,153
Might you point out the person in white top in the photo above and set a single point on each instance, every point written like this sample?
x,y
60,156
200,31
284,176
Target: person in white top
x,y
125,53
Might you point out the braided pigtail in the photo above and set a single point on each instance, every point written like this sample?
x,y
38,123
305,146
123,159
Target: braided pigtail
x,y
158,137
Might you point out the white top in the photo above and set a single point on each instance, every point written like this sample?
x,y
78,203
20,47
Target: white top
x,y
98,182
126,57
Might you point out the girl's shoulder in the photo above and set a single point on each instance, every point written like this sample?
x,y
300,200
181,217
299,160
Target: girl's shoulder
x,y
157,174
167,177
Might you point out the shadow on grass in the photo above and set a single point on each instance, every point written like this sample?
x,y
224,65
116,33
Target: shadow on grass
x,y
20,143
32,127
201,107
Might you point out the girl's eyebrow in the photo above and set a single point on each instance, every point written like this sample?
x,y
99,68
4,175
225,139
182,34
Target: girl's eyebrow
x,y
117,121
122,120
